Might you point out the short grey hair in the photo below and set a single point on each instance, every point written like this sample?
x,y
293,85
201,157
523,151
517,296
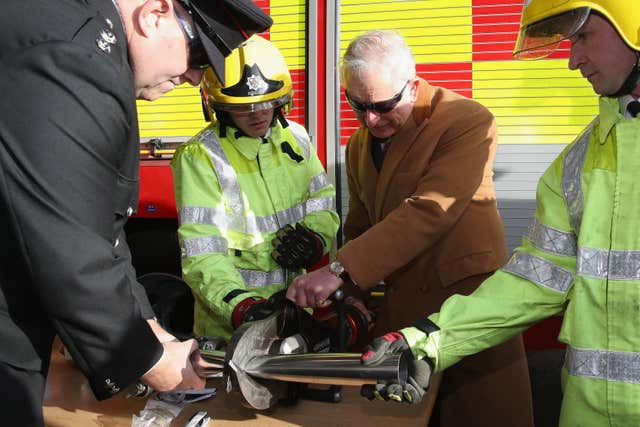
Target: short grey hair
x,y
379,49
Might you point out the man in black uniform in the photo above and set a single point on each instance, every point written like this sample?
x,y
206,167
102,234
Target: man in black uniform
x,y
71,70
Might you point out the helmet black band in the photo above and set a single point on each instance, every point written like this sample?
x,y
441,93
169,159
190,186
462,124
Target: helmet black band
x,y
253,83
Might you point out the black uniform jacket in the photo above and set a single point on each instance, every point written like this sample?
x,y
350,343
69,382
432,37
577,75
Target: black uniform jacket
x,y
68,180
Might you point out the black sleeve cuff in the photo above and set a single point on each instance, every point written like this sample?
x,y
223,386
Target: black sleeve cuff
x,y
139,352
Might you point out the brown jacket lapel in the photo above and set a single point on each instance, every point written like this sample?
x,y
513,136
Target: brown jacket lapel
x,y
400,144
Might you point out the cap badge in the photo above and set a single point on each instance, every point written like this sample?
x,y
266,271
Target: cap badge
x,y
256,84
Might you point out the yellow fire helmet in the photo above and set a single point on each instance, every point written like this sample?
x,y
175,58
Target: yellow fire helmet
x,y
256,78
545,23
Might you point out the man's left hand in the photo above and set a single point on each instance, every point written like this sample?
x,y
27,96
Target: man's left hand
x,y
296,248
313,289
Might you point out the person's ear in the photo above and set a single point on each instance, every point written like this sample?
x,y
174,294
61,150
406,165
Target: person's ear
x,y
413,88
153,15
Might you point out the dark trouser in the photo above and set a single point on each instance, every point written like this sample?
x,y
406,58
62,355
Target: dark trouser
x,y
487,389
21,393
490,388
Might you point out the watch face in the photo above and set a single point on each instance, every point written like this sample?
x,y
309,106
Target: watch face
x,y
336,267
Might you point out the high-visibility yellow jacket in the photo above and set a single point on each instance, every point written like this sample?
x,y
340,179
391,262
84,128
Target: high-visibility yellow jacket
x,y
580,256
233,194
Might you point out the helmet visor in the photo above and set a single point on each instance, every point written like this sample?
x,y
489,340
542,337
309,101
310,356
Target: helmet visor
x,y
540,39
251,107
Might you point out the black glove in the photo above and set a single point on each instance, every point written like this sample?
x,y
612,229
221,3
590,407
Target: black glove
x,y
251,309
296,248
419,371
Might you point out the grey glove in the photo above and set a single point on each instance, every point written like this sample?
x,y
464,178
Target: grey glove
x,y
419,371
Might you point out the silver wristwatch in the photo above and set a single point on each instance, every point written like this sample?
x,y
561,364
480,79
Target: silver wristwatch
x,y
338,270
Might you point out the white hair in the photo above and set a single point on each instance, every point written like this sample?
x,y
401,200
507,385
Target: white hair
x,y
379,50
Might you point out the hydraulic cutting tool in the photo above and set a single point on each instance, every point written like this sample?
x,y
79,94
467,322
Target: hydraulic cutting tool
x,y
265,357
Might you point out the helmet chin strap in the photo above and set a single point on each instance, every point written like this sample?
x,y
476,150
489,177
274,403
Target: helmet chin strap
x,y
632,79
280,117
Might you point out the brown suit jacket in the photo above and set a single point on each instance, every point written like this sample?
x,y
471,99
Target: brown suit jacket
x,y
428,226
429,219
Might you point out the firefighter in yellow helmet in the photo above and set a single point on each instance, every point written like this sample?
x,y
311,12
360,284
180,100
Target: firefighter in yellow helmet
x,y
257,80
612,62
580,256
255,205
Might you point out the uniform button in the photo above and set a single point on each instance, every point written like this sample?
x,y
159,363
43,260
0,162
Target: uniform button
x,y
111,386
129,211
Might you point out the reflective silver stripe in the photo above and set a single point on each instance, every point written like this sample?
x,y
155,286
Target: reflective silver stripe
x,y
298,212
224,221
204,245
253,225
549,239
540,271
258,279
613,265
202,215
609,365
572,165
232,194
225,172
301,136
318,182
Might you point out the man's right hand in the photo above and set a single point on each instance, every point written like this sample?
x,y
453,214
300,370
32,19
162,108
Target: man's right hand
x,y
419,371
174,370
313,289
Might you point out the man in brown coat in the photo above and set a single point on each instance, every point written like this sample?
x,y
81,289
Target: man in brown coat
x,y
423,219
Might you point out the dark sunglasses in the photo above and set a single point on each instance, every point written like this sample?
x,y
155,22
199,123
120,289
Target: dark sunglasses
x,y
198,57
379,107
